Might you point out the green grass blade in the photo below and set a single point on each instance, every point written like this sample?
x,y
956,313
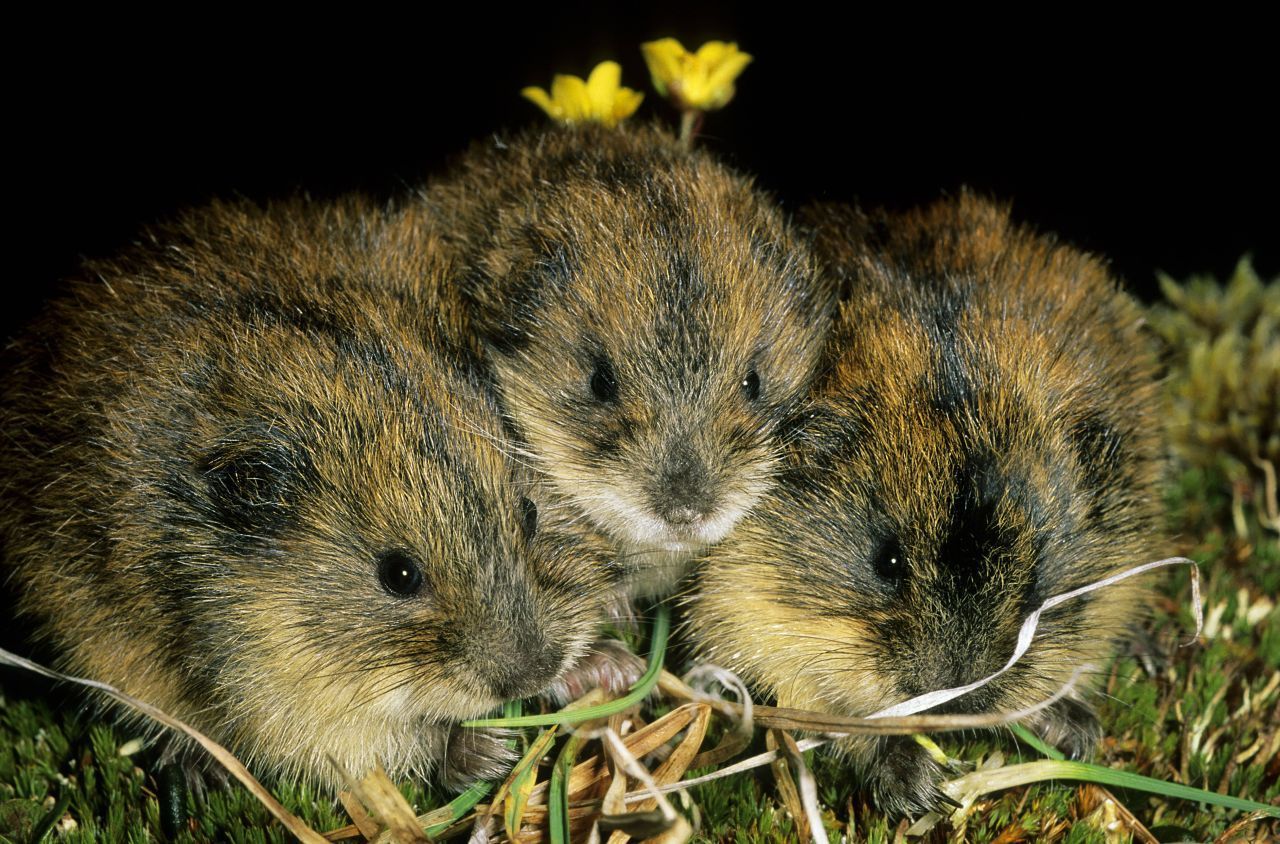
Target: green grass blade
x,y
1039,744
982,782
459,806
657,652
1124,779
558,799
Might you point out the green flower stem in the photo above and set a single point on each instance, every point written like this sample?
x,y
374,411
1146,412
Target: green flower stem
x,y
688,126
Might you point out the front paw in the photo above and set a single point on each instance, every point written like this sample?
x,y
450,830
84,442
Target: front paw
x,y
1069,725
609,665
904,779
475,754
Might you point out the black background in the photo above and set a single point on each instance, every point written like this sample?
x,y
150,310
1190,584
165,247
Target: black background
x,y
1153,145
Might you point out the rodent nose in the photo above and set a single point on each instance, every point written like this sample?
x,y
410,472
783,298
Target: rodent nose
x,y
683,496
524,671
683,516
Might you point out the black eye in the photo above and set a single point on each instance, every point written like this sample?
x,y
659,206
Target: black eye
x,y
751,385
529,516
603,384
399,574
889,562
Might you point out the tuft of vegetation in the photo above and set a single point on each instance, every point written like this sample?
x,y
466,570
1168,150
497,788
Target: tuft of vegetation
x,y
1222,347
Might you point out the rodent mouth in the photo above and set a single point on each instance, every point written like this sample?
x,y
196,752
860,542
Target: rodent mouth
x,y
684,536
647,528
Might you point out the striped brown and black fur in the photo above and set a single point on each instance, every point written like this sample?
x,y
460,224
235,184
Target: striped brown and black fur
x,y
985,437
651,317
251,475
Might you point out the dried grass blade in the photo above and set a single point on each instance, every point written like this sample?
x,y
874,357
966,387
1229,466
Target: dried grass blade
x,y
652,736
736,768
628,762
808,788
821,722
676,688
585,775
360,819
614,801
1231,834
1093,796
786,785
342,833
731,745
387,804
678,762
290,821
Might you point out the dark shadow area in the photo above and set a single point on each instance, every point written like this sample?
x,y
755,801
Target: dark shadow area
x,y
1145,146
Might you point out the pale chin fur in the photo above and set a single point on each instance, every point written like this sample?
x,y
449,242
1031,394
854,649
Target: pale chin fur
x,y
654,554
639,528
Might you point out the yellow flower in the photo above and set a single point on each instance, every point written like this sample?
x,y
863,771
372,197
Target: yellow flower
x,y
600,99
701,80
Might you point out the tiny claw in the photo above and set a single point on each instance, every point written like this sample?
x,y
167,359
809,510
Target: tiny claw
x,y
949,800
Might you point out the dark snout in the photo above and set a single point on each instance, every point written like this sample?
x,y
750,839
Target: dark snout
x,y
519,662
954,655
683,495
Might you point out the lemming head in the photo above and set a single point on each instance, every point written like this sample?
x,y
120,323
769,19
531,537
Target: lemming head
x,y
664,319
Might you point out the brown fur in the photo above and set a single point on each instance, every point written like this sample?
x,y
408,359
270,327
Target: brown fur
x,y
652,319
988,420
209,447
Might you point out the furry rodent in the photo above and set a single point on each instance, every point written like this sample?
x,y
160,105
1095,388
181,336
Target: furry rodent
x,y
252,476
985,437
650,317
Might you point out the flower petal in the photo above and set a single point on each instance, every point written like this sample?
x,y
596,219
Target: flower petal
x,y
602,88
665,58
721,79
714,52
570,95
626,104
541,99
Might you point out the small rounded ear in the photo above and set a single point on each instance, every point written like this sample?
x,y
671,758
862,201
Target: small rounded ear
x,y
251,485
828,432
1100,448
840,235
510,283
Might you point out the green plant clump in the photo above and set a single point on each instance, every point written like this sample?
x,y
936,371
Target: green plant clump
x,y
1222,349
